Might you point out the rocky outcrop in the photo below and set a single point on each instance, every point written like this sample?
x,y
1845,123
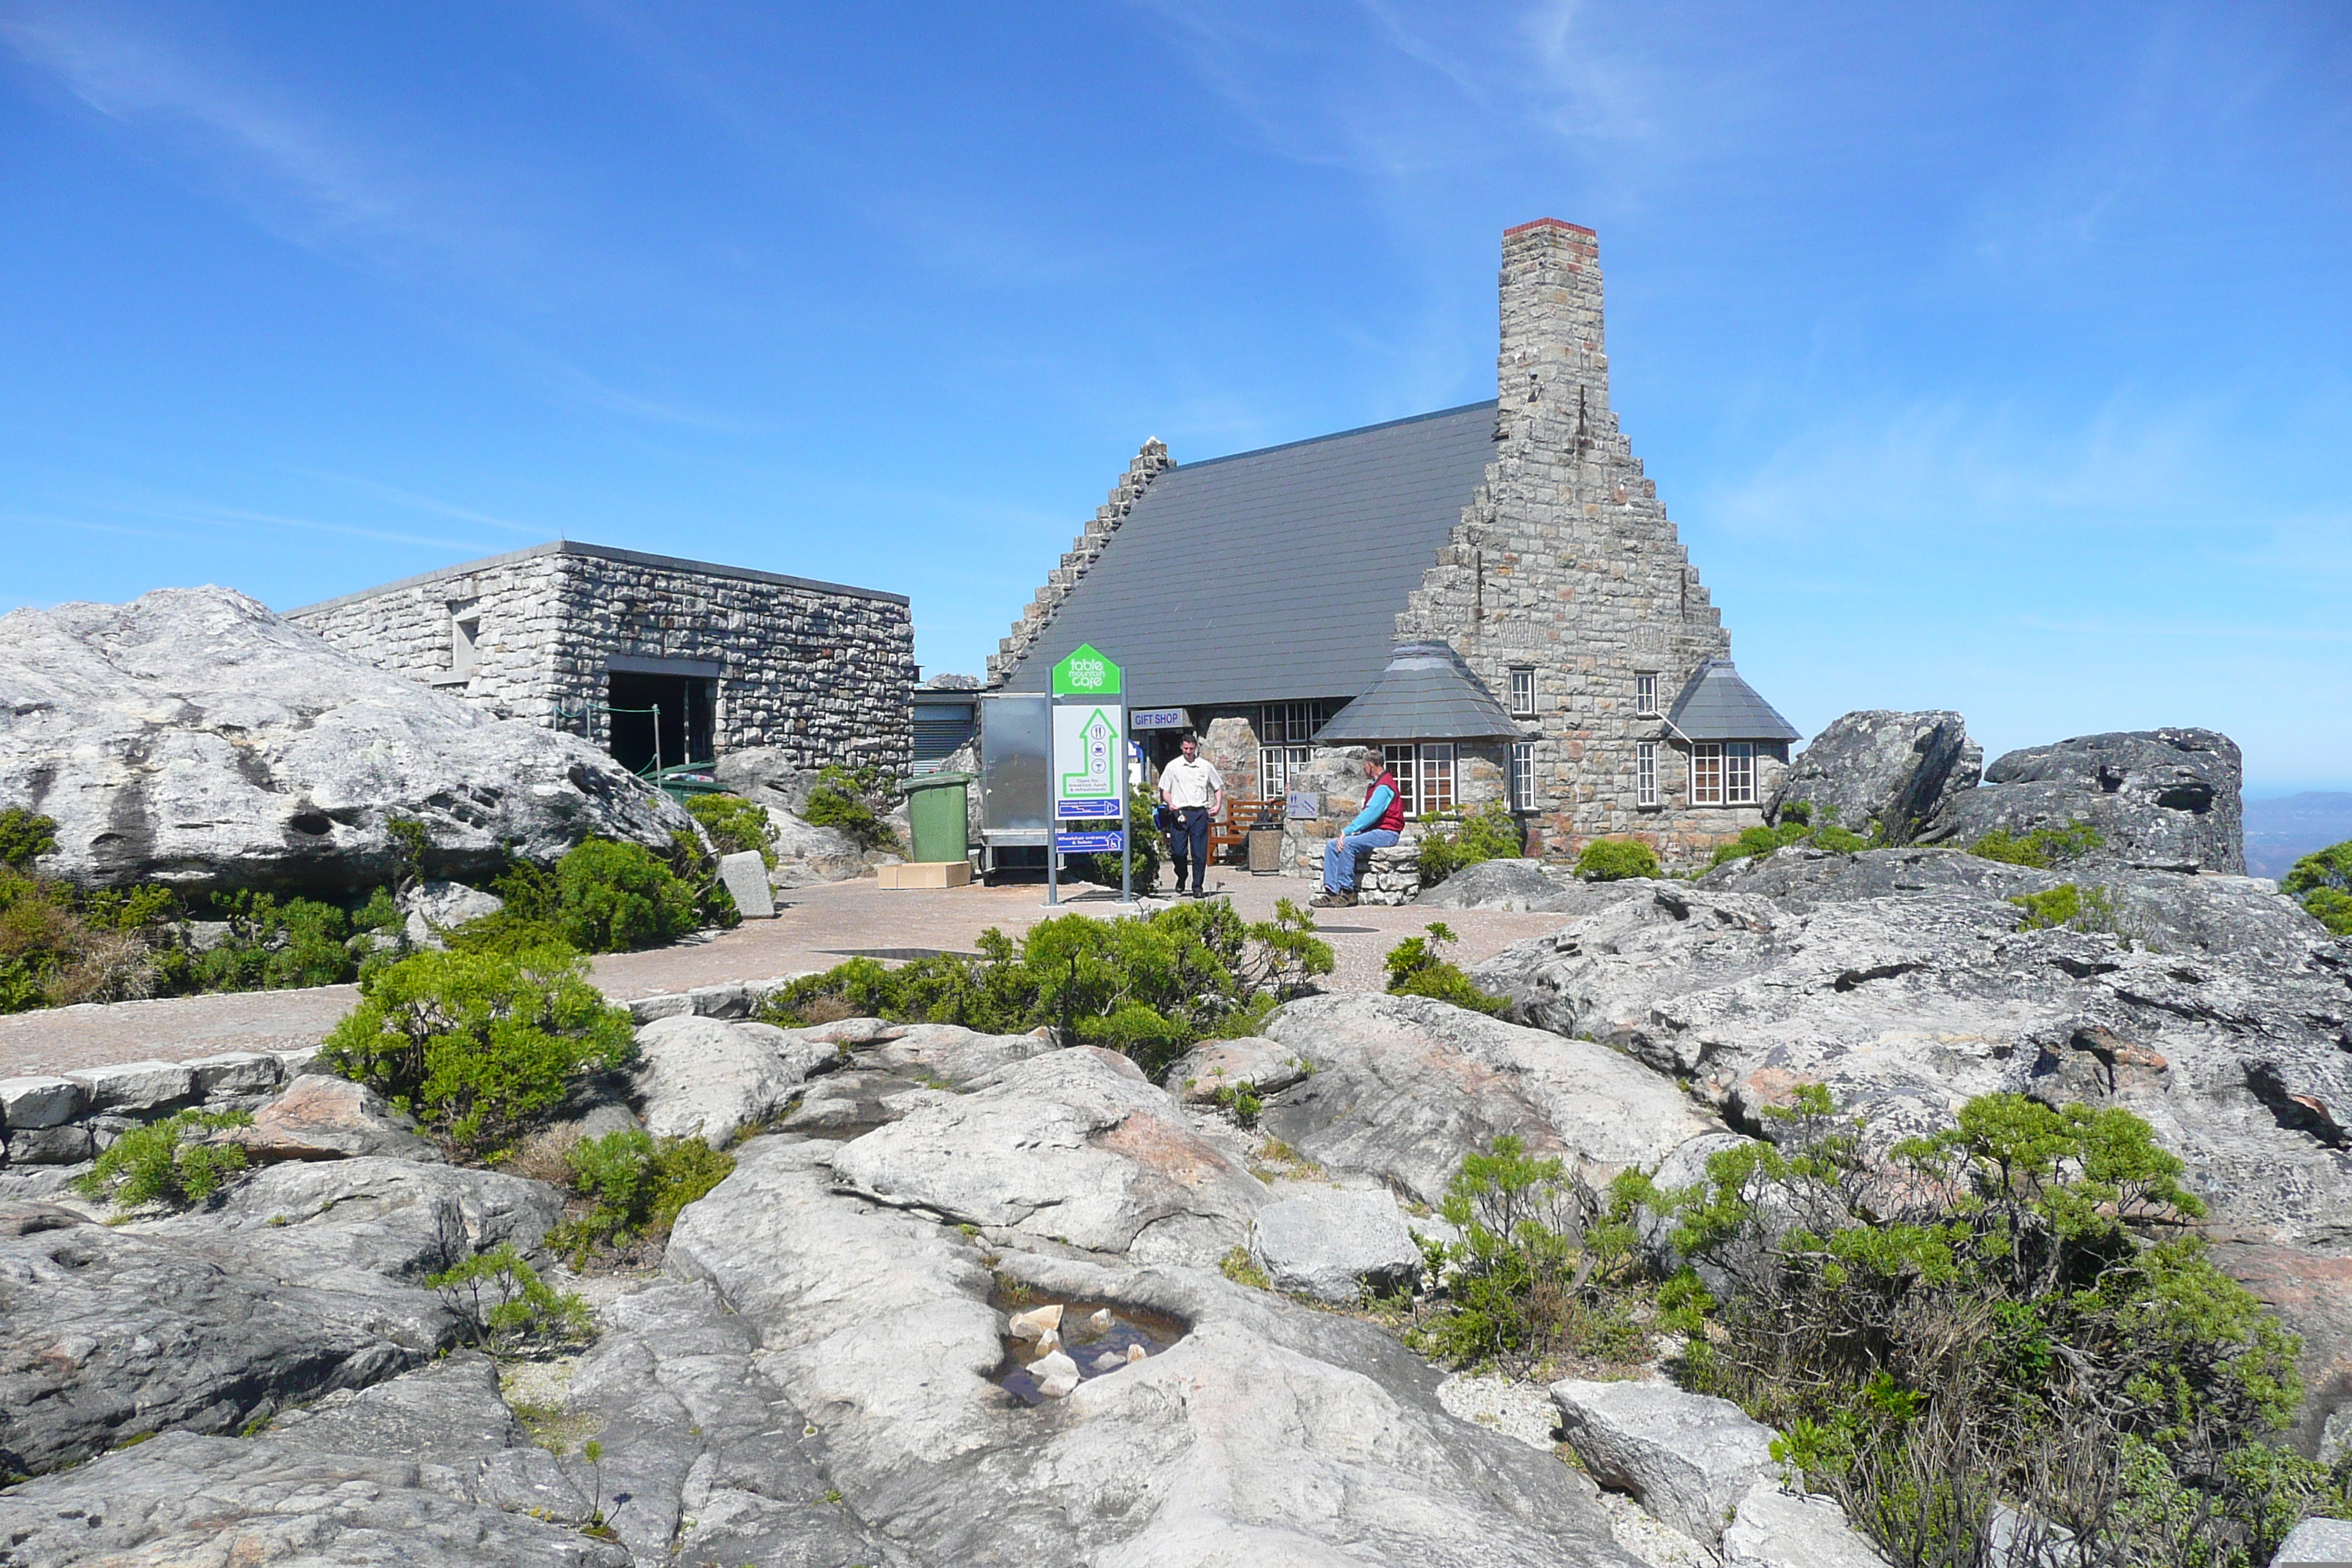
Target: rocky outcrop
x,y
1524,887
1332,1245
1403,1086
194,739
1215,1067
2158,797
712,1079
324,1118
1893,770
435,907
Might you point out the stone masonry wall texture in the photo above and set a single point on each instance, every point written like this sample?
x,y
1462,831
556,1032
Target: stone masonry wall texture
x,y
823,672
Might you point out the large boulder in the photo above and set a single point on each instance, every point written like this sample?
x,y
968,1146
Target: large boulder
x,y
1404,1085
193,738
712,1079
1878,766
1525,887
1265,1433
1687,1456
2158,797
1331,1244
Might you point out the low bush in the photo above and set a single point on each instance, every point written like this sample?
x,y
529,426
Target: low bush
x,y
1796,826
1151,987
735,826
25,835
503,1306
1616,860
1416,968
1448,843
855,801
475,1044
637,1184
167,1160
601,897
2322,882
1143,845
2042,848
273,944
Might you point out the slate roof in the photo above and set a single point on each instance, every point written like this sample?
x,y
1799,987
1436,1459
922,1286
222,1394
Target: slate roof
x,y
1275,574
1716,705
1426,693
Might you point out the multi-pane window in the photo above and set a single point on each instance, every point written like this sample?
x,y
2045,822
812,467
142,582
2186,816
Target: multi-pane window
x,y
1739,773
1523,775
1400,761
1523,691
1707,773
1282,730
1645,773
1424,776
1645,692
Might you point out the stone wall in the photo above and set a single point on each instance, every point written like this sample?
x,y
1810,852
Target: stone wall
x,y
820,671
1565,561
1146,465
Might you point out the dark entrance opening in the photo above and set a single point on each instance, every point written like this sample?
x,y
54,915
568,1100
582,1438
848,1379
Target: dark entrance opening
x,y
684,731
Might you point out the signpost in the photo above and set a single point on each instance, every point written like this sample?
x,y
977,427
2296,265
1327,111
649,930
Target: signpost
x,y
1089,764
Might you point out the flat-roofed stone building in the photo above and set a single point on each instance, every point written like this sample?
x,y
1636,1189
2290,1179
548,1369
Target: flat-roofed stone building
x,y
593,640
1515,545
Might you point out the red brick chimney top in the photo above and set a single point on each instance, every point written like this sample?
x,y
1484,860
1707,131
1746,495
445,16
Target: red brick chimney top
x,y
1549,223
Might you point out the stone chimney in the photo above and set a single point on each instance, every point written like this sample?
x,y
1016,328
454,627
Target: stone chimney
x,y
1553,364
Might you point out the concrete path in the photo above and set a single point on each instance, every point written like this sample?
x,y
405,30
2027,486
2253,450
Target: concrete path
x,y
815,929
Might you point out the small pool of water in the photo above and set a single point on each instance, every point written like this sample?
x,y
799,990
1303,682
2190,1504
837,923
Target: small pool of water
x,y
1100,1350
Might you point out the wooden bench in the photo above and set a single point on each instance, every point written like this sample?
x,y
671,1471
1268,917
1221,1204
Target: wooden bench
x,y
1243,812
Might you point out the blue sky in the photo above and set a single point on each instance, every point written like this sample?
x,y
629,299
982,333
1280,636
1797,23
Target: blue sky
x,y
1990,356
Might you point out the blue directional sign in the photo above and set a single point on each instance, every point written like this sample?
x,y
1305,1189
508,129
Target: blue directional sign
x,y
1111,843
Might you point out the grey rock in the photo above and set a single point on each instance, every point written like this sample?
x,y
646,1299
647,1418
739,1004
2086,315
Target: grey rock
x,y
235,1074
1878,766
1404,1085
322,1117
193,738
767,776
1252,1062
853,1101
204,936
184,1499
1073,1147
1687,1457
2316,1541
746,876
292,1064
1524,887
714,1078
1331,1245
67,1145
2157,796
944,1054
1269,1433
1801,877
30,1102
807,854
136,1089
1777,1529
435,906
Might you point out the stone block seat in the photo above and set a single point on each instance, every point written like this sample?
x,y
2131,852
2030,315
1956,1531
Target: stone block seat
x,y
1390,877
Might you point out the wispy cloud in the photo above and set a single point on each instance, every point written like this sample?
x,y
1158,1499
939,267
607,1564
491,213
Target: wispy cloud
x,y
410,498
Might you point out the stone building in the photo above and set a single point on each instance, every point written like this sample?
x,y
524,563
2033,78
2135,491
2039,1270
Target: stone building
x,y
654,659
1516,540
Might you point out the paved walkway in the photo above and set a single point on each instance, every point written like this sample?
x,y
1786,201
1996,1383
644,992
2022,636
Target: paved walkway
x,y
816,928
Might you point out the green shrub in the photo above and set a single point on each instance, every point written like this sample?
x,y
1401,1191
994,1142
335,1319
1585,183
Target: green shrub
x,y
24,836
59,945
160,1163
1151,987
1415,969
735,824
474,1044
639,1186
1616,860
614,897
1450,843
2042,848
2331,907
1796,826
1142,849
503,1305
274,945
2322,882
852,800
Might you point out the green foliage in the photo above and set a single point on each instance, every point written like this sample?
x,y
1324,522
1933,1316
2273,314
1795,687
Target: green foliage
x,y
846,798
1616,860
638,1184
24,836
1415,969
474,1044
163,1162
274,945
1449,843
1240,1268
1143,845
411,842
1151,987
2042,848
735,824
2073,907
612,896
1243,1100
1796,826
506,1307
2331,909
2322,882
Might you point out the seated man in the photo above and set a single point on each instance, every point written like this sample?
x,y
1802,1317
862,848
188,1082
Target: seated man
x,y
1374,827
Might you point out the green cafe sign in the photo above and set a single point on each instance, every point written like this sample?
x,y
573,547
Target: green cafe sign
x,y
1084,672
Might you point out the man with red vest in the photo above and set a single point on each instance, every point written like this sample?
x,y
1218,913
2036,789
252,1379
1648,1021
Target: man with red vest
x,y
1374,827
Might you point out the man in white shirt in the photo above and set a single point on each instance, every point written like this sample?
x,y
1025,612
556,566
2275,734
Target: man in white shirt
x,y
1192,787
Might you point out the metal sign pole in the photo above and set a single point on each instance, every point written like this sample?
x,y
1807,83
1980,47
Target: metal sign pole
x,y
1126,814
1053,812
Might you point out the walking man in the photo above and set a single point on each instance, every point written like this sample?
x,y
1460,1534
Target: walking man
x,y
1374,827
1192,787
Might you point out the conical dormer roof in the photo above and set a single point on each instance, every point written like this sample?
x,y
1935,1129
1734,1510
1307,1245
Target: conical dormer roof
x,y
1426,693
1716,704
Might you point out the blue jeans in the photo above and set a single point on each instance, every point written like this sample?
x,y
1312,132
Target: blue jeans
x,y
1344,854
1188,843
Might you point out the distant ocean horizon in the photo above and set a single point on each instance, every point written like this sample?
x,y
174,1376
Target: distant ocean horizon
x,y
2281,831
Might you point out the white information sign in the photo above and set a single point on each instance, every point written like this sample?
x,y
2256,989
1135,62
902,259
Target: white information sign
x,y
1089,755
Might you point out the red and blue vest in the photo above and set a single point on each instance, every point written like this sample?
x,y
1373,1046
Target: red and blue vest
x,y
1392,819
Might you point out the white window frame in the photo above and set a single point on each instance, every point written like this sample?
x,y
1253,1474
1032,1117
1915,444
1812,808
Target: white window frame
x,y
1523,775
1645,773
1707,773
1437,777
1399,760
1523,691
1645,692
1282,730
1739,773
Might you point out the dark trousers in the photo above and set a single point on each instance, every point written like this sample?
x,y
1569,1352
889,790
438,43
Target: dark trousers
x,y
1188,843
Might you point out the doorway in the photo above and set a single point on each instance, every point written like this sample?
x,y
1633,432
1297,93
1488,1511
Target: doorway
x,y
681,732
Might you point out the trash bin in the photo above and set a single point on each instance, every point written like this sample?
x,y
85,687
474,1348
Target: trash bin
x,y
938,815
